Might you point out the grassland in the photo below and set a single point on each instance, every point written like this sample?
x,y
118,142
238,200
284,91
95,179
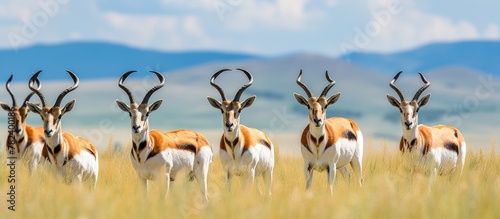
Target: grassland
x,y
390,191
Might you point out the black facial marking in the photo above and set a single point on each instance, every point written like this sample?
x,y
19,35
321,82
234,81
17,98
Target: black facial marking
x,y
451,146
349,135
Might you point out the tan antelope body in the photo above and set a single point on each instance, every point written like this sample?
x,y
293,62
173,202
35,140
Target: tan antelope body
x,y
243,151
441,148
74,158
154,151
28,140
328,144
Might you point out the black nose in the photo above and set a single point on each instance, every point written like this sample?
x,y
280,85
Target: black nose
x,y
48,132
229,125
136,128
317,121
408,124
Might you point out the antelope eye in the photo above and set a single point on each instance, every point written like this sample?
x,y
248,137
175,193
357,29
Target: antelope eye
x,y
59,117
239,111
147,114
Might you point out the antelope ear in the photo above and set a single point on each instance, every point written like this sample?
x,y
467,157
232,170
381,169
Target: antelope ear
x,y
5,107
248,102
68,107
334,98
302,100
34,108
155,105
424,100
215,103
123,106
393,101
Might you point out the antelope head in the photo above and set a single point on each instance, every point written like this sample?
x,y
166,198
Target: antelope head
x,y
409,109
52,116
316,105
20,113
139,113
231,109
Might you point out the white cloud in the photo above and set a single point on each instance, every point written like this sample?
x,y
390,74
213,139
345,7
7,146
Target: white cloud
x,y
280,14
412,28
156,31
492,32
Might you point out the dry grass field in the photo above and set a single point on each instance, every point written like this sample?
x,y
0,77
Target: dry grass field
x,y
390,191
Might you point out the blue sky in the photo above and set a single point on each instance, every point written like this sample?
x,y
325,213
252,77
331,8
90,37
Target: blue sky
x,y
265,27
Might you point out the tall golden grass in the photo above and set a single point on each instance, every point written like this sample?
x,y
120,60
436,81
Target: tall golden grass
x,y
390,191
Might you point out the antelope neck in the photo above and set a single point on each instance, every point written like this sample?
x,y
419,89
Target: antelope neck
x,y
317,132
232,136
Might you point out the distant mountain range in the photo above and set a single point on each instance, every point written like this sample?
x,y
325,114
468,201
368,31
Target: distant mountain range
x,y
483,56
96,60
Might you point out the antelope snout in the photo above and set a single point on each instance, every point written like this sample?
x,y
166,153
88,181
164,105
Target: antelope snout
x,y
136,128
408,124
230,126
318,122
48,133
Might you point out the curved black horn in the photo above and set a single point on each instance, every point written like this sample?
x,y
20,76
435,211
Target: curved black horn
x,y
303,86
76,82
155,88
329,86
7,86
39,85
33,79
426,85
212,82
244,87
400,94
127,91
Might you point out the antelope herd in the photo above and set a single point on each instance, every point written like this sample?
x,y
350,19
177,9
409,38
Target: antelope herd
x,y
326,143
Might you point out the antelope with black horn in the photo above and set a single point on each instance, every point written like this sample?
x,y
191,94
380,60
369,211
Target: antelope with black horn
x,y
74,158
25,142
154,150
328,144
441,148
243,150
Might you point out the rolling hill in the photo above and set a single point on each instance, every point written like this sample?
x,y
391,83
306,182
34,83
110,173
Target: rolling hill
x,y
97,60
478,55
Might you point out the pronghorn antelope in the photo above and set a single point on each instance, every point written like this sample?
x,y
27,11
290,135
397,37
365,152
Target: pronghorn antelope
x,y
328,144
74,158
441,148
243,150
28,140
154,150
